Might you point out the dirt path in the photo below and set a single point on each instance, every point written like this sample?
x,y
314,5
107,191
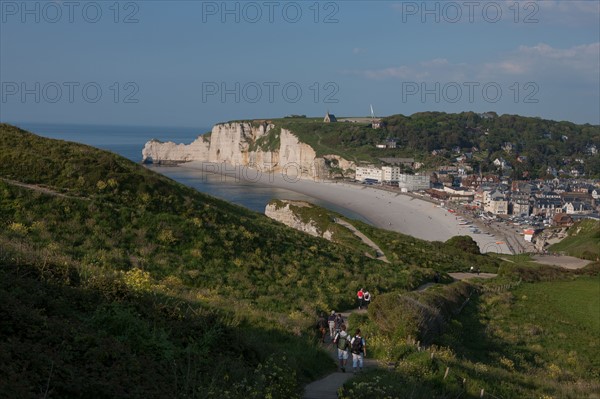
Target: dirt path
x,y
467,276
327,387
39,189
568,262
380,255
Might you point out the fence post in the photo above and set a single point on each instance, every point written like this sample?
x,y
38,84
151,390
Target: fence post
x,y
482,392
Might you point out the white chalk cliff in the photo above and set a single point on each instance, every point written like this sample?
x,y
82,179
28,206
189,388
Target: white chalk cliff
x,y
239,143
282,212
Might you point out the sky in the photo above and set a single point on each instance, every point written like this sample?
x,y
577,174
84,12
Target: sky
x,y
196,63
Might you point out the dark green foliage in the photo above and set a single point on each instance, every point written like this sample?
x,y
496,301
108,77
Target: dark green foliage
x,y
61,340
533,272
435,255
541,141
421,315
463,243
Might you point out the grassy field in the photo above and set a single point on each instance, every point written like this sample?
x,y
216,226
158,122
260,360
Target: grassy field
x,y
583,240
559,306
538,340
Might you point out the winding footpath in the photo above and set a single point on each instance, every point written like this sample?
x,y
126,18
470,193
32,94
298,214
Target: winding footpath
x,y
40,189
380,255
327,387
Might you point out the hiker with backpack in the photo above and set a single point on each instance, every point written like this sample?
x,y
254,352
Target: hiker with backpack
x,y
339,321
360,295
322,326
367,299
331,322
342,341
359,350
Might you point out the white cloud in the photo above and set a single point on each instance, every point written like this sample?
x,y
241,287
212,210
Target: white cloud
x,y
402,72
580,62
583,60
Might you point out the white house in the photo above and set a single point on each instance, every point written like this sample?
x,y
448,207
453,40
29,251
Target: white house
x,y
371,173
501,163
390,174
495,202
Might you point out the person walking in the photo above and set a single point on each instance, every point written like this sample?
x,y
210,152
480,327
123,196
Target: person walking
x,y
322,326
339,321
342,341
367,299
359,350
331,322
360,295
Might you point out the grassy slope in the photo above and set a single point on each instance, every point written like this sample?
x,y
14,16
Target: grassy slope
x,y
583,240
400,249
532,341
133,252
541,333
122,252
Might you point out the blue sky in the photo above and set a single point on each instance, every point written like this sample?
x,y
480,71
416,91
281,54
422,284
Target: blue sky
x,y
193,63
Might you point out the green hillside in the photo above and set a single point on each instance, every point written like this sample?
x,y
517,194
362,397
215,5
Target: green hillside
x,y
582,241
543,142
115,279
491,339
456,254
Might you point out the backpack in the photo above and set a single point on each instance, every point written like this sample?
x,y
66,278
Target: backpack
x,y
357,345
342,342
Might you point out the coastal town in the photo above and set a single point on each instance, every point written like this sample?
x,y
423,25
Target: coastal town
x,y
533,209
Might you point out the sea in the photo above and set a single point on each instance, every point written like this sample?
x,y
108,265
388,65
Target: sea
x,y
128,141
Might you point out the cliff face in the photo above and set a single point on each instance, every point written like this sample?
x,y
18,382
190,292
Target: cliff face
x,y
261,146
156,151
284,214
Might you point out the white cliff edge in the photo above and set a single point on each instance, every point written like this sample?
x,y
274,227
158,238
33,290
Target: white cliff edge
x,y
239,143
285,215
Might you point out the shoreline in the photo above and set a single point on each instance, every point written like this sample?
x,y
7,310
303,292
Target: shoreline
x,y
384,209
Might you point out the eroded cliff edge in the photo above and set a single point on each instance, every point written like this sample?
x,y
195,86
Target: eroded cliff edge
x,y
263,146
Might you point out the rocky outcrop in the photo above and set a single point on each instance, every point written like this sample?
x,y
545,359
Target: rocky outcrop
x,y
258,145
156,151
282,211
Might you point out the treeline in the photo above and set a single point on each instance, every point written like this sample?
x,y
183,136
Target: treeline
x,y
542,143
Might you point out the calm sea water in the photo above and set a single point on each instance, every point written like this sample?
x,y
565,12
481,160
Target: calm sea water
x,y
128,142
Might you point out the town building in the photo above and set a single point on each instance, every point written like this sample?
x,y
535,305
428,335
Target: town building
x,y
368,173
460,194
390,174
495,202
562,220
376,123
329,118
413,182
